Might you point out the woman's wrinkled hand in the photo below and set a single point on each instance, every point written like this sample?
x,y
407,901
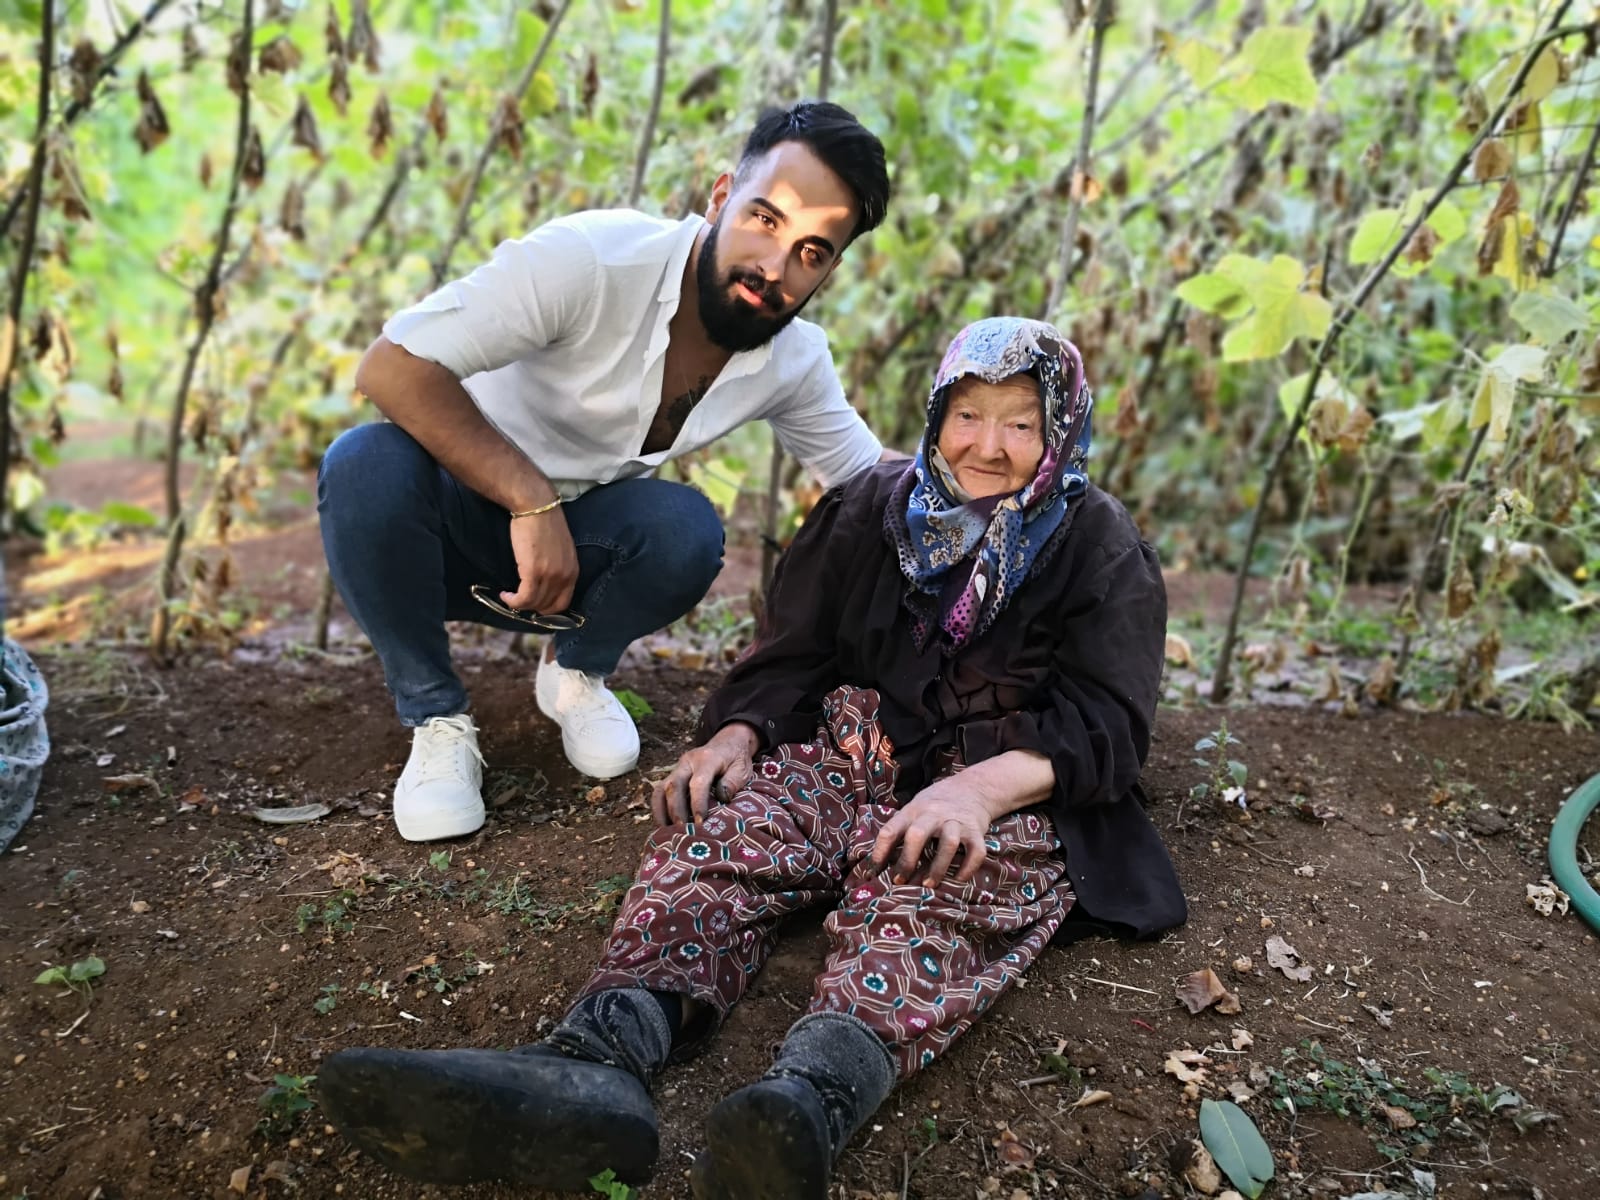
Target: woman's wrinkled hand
x,y
724,763
954,816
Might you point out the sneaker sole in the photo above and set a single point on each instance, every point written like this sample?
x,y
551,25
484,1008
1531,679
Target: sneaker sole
x,y
585,764
437,825
762,1145
471,1115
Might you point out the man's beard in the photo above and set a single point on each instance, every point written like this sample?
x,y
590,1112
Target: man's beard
x,y
731,322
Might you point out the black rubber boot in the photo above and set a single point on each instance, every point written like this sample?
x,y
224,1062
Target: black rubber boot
x,y
778,1138
551,1115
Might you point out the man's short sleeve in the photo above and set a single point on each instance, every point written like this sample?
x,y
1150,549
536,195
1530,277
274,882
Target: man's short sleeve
x,y
536,290
818,426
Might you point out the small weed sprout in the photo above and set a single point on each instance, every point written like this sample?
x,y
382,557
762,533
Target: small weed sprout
x,y
283,1104
608,1185
78,978
328,1001
1225,785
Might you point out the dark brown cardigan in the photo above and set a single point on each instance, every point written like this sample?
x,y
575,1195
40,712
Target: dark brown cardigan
x,y
1071,668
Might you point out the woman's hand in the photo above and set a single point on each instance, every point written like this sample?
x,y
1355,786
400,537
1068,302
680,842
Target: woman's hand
x,y
724,762
949,812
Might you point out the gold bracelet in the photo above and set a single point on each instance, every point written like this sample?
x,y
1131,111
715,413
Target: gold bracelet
x,y
534,512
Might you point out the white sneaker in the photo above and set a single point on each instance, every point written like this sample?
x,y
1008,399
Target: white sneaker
x,y
440,793
596,731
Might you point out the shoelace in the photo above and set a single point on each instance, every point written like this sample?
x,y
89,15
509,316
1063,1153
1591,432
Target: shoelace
x,y
447,737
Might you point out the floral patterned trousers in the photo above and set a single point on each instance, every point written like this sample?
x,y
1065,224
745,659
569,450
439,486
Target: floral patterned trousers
x,y
919,965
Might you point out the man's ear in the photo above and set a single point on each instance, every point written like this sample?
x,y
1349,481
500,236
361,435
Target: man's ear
x,y
720,191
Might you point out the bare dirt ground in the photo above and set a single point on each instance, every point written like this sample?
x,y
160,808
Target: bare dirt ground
x,y
1392,850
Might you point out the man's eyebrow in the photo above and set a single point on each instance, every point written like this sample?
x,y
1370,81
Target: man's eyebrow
x,y
783,219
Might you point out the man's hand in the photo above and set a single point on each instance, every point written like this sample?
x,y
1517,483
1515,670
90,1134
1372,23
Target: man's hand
x,y
954,815
724,762
547,563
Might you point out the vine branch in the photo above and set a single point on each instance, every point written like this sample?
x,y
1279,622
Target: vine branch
x,y
1078,179
648,137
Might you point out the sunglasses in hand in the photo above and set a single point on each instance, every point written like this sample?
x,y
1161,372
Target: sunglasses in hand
x,y
489,597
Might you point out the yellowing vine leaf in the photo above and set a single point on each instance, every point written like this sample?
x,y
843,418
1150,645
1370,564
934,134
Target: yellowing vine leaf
x,y
1267,294
1201,61
1380,229
1273,67
1498,388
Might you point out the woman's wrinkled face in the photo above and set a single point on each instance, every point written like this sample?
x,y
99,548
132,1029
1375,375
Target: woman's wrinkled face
x,y
993,434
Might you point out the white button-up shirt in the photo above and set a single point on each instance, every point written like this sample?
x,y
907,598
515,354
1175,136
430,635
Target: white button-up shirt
x,y
561,341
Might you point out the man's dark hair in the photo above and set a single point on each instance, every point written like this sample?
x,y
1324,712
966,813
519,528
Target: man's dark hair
x,y
848,148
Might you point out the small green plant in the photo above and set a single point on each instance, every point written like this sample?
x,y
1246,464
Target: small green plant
x,y
1225,785
926,1131
515,898
79,977
333,914
328,1001
283,1104
439,860
608,1185
634,704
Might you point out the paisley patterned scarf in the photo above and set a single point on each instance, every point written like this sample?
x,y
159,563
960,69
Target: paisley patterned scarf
x,y
963,557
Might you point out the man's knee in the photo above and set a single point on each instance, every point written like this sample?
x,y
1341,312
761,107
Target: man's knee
x,y
685,547
369,464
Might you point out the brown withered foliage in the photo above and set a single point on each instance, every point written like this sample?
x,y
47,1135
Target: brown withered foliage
x,y
380,126
438,119
84,68
280,55
305,128
339,85
152,128
253,167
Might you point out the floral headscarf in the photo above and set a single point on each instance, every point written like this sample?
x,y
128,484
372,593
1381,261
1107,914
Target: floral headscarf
x,y
973,554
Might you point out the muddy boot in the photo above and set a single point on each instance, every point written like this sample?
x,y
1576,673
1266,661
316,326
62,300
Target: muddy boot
x,y
550,1115
778,1138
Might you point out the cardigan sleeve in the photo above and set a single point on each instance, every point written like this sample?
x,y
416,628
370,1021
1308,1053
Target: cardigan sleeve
x,y
778,684
1093,717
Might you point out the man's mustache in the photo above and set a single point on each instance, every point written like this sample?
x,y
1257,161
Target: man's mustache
x,y
771,299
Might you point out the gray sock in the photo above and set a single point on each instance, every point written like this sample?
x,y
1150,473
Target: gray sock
x,y
619,1027
850,1067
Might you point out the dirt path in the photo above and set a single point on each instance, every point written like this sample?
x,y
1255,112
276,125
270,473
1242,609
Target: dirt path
x,y
222,938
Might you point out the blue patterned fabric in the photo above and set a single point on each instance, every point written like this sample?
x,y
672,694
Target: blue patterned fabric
x,y
993,541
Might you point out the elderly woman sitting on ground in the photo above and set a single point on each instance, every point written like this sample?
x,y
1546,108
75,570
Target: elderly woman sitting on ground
x,y
938,734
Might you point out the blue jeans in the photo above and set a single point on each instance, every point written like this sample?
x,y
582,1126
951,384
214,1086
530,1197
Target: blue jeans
x,y
405,541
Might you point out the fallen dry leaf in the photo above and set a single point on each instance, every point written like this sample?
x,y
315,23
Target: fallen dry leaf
x,y
1240,1091
1015,1154
1242,1039
1398,1117
1384,1016
1176,1066
1244,964
239,1181
1202,1171
1201,989
1546,899
1088,1098
1286,958
140,906
127,783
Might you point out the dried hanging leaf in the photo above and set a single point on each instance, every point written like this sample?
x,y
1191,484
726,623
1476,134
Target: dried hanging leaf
x,y
380,126
508,126
1286,958
702,86
68,194
339,86
191,48
280,55
362,40
292,212
1085,187
1461,593
1492,160
591,84
253,167
114,383
1127,421
238,66
84,67
1507,202
1424,242
207,171
331,34
1493,244
305,128
1117,183
438,120
152,129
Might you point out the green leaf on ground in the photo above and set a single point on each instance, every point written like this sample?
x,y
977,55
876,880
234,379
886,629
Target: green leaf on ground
x,y
1236,1145
634,704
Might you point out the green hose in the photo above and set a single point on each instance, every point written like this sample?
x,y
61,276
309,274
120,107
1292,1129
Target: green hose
x,y
1564,850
